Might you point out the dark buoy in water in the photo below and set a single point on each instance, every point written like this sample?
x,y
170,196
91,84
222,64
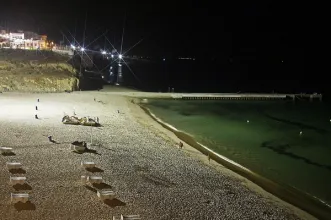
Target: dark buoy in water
x,y
38,100
36,116
36,107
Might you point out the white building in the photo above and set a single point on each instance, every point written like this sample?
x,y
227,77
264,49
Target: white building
x,y
16,36
18,41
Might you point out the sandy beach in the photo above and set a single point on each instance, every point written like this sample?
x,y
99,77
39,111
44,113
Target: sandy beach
x,y
137,158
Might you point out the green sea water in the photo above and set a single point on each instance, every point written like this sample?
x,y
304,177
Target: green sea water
x,y
287,142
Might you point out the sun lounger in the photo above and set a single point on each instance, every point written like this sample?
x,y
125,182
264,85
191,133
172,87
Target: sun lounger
x,y
79,121
6,150
70,120
86,164
17,180
19,197
13,165
106,194
130,217
78,146
95,179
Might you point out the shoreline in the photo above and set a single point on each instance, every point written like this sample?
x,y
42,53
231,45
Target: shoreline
x,y
137,158
285,193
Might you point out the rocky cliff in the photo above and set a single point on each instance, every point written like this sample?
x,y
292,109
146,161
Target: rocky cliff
x,y
35,71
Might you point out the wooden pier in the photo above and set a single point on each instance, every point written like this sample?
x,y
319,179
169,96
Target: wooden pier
x,y
213,96
248,96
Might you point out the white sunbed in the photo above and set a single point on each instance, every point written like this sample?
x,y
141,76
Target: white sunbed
x,y
106,194
6,150
86,164
130,217
17,180
14,165
19,197
95,179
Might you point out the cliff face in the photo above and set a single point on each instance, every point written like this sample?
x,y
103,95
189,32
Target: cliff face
x,y
29,71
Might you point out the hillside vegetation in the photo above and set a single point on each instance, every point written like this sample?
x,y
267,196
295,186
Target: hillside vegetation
x,y
35,71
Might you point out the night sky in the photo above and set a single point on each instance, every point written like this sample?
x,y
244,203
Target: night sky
x,y
185,28
255,37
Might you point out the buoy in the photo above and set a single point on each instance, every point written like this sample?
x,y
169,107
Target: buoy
x,y
38,100
247,121
300,133
36,107
36,116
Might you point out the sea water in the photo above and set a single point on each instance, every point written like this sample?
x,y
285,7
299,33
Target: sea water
x,y
285,141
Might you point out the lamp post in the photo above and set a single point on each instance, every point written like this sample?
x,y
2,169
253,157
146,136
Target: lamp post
x,y
119,70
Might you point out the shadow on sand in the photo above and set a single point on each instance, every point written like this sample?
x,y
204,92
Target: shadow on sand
x,y
19,187
17,171
91,188
94,170
20,206
101,186
54,142
8,154
114,203
87,151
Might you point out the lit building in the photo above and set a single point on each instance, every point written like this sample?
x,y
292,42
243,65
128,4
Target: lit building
x,y
24,40
16,36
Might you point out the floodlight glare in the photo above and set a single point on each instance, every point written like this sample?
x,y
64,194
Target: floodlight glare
x,y
82,49
120,56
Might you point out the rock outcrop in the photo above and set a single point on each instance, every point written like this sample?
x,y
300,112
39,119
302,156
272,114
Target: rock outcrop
x,y
31,71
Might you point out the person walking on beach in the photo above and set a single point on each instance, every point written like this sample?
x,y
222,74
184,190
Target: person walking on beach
x,y
180,145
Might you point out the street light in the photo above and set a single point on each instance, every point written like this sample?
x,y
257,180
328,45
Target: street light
x,y
82,49
103,52
120,56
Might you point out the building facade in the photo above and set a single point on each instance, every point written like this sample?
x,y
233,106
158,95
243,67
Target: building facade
x,y
23,40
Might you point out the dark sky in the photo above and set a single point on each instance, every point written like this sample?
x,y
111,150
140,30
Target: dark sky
x,y
183,28
255,36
